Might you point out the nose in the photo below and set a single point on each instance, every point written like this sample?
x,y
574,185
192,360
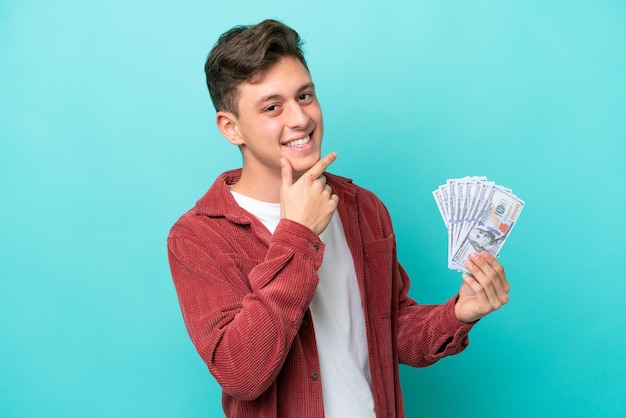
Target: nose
x,y
297,117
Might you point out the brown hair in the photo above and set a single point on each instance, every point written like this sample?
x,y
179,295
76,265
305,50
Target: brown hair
x,y
245,54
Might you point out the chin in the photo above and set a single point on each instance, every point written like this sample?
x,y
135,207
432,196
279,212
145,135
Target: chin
x,y
303,165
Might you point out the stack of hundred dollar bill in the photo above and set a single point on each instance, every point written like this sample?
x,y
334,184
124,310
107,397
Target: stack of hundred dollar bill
x,y
479,215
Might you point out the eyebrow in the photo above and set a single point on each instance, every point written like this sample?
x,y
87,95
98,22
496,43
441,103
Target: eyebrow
x,y
271,97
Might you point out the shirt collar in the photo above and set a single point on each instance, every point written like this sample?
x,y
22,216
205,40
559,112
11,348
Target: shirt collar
x,y
219,202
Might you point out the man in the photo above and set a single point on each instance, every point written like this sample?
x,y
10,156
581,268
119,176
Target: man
x,y
287,275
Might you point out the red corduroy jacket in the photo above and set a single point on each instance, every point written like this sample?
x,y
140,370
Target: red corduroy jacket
x,y
244,295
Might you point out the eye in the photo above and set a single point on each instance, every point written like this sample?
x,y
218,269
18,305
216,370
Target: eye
x,y
271,108
305,97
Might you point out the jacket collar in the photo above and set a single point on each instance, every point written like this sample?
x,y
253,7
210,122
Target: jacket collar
x,y
219,201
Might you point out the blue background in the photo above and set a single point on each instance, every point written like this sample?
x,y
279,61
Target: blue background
x,y
107,135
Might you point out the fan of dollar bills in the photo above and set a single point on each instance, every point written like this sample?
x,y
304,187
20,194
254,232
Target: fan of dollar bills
x,y
479,215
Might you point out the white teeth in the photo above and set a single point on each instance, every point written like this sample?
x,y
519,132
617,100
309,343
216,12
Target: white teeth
x,y
299,142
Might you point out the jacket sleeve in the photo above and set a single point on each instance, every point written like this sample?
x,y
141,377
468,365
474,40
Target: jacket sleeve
x,y
427,333
243,325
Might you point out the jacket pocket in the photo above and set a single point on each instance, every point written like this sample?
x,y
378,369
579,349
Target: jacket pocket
x,y
379,261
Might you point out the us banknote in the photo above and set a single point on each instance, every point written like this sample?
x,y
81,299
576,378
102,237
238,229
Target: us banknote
x,y
478,214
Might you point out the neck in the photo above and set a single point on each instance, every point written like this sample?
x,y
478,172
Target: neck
x,y
260,186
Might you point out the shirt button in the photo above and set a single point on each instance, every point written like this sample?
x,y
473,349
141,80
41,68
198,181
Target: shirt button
x,y
314,377
317,247
305,323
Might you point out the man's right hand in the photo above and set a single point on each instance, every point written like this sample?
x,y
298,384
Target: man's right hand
x,y
308,200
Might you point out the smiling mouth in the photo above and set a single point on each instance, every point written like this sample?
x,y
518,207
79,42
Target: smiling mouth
x,y
299,142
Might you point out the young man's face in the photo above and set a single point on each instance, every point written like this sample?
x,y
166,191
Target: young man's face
x,y
280,117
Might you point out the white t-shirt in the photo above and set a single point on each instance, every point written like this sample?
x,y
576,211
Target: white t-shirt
x,y
338,319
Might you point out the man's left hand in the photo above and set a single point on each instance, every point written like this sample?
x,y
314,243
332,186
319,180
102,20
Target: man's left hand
x,y
484,290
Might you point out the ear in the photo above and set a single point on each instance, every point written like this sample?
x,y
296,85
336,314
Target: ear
x,y
228,125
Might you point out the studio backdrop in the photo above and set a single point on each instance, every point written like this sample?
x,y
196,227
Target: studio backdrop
x,y
107,136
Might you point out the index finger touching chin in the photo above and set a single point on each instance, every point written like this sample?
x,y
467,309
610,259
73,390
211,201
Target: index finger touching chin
x,y
322,165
